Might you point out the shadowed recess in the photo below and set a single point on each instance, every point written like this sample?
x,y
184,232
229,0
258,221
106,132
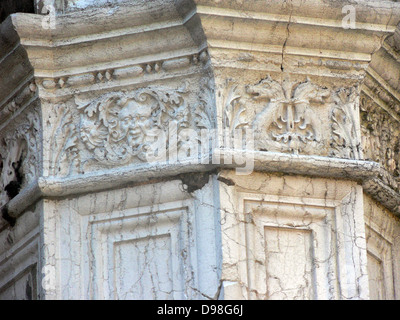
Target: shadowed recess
x,y
8,7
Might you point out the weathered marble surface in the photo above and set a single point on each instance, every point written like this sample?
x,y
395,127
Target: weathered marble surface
x,y
383,241
147,242
291,237
309,108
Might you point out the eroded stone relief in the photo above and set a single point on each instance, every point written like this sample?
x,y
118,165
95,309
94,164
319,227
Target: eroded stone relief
x,y
122,128
118,127
109,92
344,117
381,136
291,117
288,122
20,155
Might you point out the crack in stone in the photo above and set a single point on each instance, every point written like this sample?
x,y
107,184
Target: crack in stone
x,y
287,37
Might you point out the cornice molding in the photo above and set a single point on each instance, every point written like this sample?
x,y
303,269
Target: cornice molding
x,y
53,50
370,12
131,42
382,82
297,29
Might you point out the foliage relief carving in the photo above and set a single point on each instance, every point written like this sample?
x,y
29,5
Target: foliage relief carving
x,y
117,128
287,123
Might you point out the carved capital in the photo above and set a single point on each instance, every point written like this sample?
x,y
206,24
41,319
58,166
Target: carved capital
x,y
122,128
295,116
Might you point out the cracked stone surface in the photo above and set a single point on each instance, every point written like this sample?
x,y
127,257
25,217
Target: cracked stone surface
x,y
90,207
293,238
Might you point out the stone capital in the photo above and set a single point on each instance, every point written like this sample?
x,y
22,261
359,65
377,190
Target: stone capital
x,y
200,149
290,71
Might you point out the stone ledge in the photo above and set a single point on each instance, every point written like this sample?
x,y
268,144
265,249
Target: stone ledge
x,y
370,174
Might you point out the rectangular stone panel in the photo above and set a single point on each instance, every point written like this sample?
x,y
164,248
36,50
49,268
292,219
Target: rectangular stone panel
x,y
297,239
376,278
143,255
381,231
22,287
133,244
143,268
288,263
380,266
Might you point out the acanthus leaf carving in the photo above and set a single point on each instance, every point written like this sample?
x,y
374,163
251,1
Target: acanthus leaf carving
x,y
123,128
204,117
345,139
63,146
233,110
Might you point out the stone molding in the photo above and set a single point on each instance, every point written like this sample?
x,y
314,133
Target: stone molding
x,y
278,31
366,172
